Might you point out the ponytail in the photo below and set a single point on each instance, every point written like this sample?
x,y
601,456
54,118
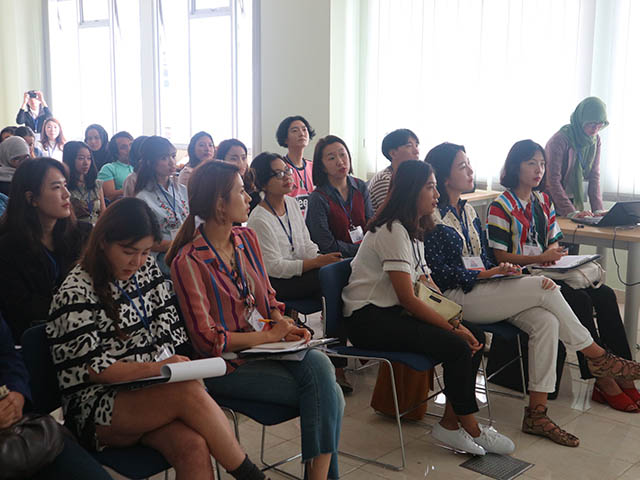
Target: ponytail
x,y
184,236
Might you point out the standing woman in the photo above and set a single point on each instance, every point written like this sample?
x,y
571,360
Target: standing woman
x,y
339,207
40,241
114,320
291,257
96,137
225,296
52,139
294,134
573,160
87,198
522,229
382,311
34,111
157,185
235,152
114,173
458,255
201,149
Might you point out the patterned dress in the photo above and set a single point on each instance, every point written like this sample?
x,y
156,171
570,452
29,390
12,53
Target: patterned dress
x,y
81,336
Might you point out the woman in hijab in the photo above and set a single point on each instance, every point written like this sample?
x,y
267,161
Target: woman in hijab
x,y
96,137
573,160
12,152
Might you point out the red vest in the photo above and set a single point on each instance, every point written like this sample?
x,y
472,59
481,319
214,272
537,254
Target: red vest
x,y
338,218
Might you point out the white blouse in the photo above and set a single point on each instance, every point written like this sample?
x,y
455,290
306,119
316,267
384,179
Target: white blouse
x,y
280,259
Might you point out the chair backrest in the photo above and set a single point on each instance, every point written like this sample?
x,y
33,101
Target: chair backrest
x,y
333,278
37,357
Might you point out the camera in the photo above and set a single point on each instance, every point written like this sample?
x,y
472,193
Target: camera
x,y
32,93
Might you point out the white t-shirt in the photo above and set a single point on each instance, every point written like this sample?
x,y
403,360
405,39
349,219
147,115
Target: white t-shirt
x,y
380,252
279,260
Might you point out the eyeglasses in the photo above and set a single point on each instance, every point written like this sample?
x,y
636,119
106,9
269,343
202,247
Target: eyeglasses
x,y
280,174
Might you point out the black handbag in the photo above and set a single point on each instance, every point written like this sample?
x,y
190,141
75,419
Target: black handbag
x,y
30,444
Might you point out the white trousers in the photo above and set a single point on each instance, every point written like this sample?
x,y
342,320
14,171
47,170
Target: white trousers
x,y
543,314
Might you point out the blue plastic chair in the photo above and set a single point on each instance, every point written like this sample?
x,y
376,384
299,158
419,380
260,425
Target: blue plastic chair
x,y
137,462
333,278
266,414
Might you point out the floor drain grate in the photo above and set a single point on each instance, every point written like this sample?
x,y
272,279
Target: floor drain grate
x,y
500,467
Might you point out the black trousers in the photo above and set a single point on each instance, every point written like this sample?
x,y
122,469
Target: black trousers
x,y
389,329
609,331
296,288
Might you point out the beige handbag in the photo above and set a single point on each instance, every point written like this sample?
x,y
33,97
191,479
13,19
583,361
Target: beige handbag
x,y
446,308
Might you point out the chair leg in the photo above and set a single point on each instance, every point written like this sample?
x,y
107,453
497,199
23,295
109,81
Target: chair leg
x,y
524,382
274,466
486,390
398,422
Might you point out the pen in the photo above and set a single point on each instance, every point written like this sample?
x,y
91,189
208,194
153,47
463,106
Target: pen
x,y
268,320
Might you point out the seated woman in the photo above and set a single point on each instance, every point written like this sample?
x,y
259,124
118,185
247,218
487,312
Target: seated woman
x,y
113,320
98,140
225,296
291,257
114,173
6,132
30,137
52,139
201,149
235,152
383,313
458,255
40,241
73,461
339,207
13,151
159,188
522,229
87,198
135,155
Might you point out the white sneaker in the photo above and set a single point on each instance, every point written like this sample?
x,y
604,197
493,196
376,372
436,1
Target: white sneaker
x,y
457,439
494,442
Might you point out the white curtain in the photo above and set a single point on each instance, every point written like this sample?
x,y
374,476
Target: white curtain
x,y
486,74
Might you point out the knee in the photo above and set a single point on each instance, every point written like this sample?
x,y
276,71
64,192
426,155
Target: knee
x,y
190,394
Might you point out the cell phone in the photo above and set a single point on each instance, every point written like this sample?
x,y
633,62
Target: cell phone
x,y
32,93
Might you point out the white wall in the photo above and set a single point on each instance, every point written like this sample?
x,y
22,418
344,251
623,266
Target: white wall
x,y
21,54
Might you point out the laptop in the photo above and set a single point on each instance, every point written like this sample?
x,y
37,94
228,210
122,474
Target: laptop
x,y
622,213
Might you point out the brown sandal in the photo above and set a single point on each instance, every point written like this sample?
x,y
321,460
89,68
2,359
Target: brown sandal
x,y
536,422
609,365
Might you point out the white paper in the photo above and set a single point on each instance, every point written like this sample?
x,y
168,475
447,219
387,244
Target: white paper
x,y
194,370
285,347
568,262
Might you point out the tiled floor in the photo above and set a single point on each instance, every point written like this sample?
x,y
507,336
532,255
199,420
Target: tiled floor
x,y
609,449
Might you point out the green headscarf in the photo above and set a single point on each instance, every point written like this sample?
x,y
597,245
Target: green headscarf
x,y
589,110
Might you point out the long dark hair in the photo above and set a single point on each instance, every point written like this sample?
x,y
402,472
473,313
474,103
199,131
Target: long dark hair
x,y
21,217
441,158
69,155
59,140
127,220
402,201
152,150
113,145
191,149
520,152
261,167
136,152
208,183
249,178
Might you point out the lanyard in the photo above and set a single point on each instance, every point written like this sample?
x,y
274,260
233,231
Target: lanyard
x,y
142,314
464,226
243,288
528,216
303,181
89,202
166,197
56,269
289,234
341,203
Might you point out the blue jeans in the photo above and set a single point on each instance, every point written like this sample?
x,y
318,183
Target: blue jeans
x,y
309,385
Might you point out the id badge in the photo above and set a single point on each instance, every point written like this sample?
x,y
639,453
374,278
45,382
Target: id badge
x,y
473,263
163,354
532,250
254,320
356,235
303,203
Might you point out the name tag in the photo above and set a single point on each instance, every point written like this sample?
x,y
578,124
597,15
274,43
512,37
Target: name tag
x,y
253,318
473,263
356,235
303,202
532,250
163,354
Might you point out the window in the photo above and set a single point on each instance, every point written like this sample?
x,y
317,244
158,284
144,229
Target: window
x,y
167,67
